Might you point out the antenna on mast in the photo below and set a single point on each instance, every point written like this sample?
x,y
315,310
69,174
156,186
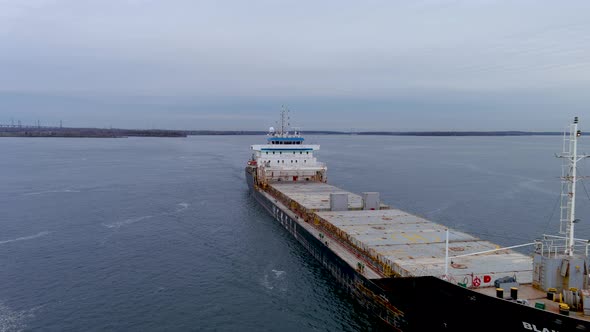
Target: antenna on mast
x,y
568,188
284,121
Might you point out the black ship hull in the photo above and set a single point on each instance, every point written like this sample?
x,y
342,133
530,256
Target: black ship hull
x,y
419,303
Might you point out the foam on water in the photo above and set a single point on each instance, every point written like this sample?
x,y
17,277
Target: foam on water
x,y
51,192
125,222
278,274
275,280
11,320
179,208
437,211
24,238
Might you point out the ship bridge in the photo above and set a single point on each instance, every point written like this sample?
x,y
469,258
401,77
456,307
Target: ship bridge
x,y
285,157
285,140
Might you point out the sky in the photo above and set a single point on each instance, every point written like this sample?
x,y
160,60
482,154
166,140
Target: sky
x,y
337,65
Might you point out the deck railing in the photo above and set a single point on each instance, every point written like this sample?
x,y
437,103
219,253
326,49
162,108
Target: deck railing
x,y
553,246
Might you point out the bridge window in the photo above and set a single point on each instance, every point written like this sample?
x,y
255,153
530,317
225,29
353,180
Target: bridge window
x,y
278,161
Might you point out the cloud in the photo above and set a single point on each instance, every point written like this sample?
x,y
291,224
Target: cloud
x,y
485,55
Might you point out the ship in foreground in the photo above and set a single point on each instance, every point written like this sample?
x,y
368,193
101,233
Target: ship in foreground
x,y
414,274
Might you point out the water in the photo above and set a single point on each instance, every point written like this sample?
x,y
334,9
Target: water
x,y
152,234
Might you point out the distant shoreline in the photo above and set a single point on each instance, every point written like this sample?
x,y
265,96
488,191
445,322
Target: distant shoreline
x,y
86,132
14,131
387,133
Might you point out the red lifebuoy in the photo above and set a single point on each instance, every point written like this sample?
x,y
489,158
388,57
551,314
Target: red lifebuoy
x,y
476,281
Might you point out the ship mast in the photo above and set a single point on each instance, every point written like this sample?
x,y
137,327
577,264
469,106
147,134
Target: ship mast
x,y
284,121
569,179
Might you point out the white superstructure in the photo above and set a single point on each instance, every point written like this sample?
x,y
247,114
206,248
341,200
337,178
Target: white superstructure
x,y
285,157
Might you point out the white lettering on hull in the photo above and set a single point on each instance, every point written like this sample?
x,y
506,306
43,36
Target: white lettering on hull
x,y
533,327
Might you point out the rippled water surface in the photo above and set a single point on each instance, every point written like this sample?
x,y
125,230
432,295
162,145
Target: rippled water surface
x,y
151,234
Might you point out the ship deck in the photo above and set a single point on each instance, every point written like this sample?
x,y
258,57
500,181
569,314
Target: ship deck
x,y
414,246
409,244
339,249
533,297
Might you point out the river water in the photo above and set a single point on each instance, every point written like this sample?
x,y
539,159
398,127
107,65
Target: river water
x,y
152,234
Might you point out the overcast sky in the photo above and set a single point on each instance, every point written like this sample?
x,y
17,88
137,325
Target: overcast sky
x,y
362,65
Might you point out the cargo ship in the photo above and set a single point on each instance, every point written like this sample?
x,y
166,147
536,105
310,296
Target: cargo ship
x,y
413,274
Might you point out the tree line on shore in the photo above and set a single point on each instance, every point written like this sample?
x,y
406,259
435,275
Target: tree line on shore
x,y
99,132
